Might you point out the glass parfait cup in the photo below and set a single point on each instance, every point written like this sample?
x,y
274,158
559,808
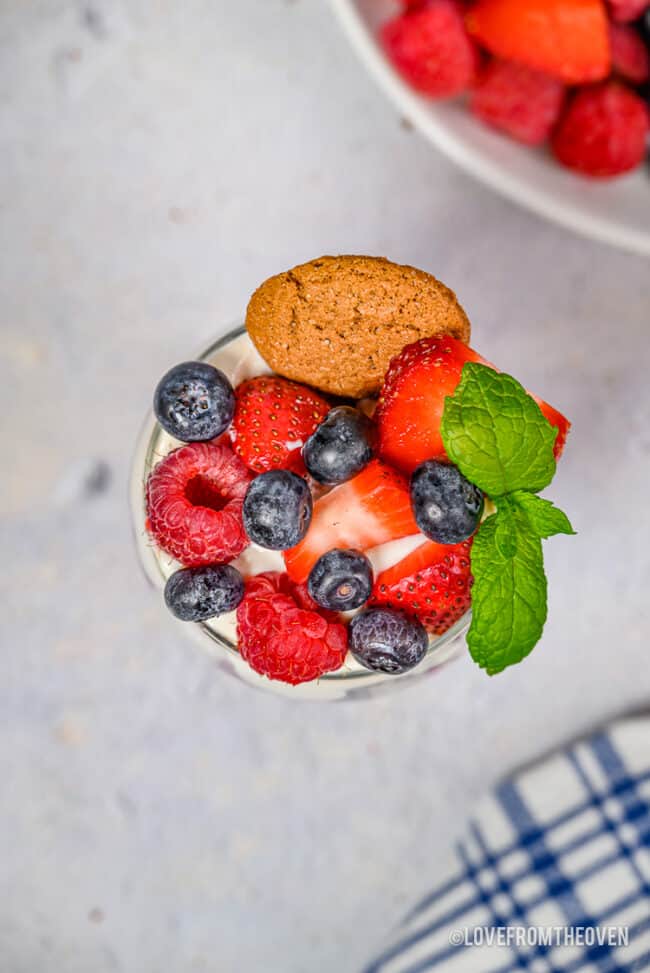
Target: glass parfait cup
x,y
234,354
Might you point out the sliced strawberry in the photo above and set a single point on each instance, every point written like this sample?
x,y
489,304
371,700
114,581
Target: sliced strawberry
x,y
412,401
372,508
413,396
566,38
556,419
433,583
273,418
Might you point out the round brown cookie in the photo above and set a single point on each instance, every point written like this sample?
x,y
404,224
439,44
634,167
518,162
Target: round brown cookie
x,y
335,323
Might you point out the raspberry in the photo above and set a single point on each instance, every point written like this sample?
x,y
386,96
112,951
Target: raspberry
x,y
273,419
431,49
624,11
630,57
194,504
603,131
520,101
282,636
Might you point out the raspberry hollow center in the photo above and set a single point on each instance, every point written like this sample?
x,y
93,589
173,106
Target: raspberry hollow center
x,y
201,491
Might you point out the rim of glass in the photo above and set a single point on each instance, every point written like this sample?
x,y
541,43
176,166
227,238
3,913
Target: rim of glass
x,y
145,458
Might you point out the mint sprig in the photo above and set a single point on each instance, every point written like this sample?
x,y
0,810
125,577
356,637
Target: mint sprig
x,y
497,436
544,519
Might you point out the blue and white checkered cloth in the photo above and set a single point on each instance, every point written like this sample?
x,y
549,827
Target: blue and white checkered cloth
x,y
560,852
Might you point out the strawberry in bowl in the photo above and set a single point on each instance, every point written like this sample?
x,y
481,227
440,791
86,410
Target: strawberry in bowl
x,y
327,545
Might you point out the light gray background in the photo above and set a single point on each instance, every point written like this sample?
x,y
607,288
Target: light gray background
x,y
159,159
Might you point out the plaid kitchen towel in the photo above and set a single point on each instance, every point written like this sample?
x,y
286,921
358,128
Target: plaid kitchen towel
x,y
552,874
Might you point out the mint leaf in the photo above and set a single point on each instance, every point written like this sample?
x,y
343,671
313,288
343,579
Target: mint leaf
x,y
509,594
544,519
495,433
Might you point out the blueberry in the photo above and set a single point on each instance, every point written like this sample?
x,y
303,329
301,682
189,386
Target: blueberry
x,y
341,580
277,509
386,640
194,402
447,507
340,447
194,594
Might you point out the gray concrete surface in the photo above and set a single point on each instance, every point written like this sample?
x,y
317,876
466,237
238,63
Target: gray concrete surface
x,y
159,160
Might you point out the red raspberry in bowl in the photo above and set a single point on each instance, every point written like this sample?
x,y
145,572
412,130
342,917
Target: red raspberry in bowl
x,y
518,100
431,49
625,11
283,635
630,56
603,131
194,499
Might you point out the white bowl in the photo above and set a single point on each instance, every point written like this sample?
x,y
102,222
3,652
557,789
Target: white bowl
x,y
615,211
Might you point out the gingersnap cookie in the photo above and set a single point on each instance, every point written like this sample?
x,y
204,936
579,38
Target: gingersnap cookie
x,y
336,322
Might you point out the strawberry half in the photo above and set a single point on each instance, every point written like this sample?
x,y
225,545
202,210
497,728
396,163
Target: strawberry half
x,y
372,508
412,401
566,38
433,584
273,418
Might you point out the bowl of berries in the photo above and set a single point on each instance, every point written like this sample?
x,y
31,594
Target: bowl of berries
x,y
330,501
546,101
